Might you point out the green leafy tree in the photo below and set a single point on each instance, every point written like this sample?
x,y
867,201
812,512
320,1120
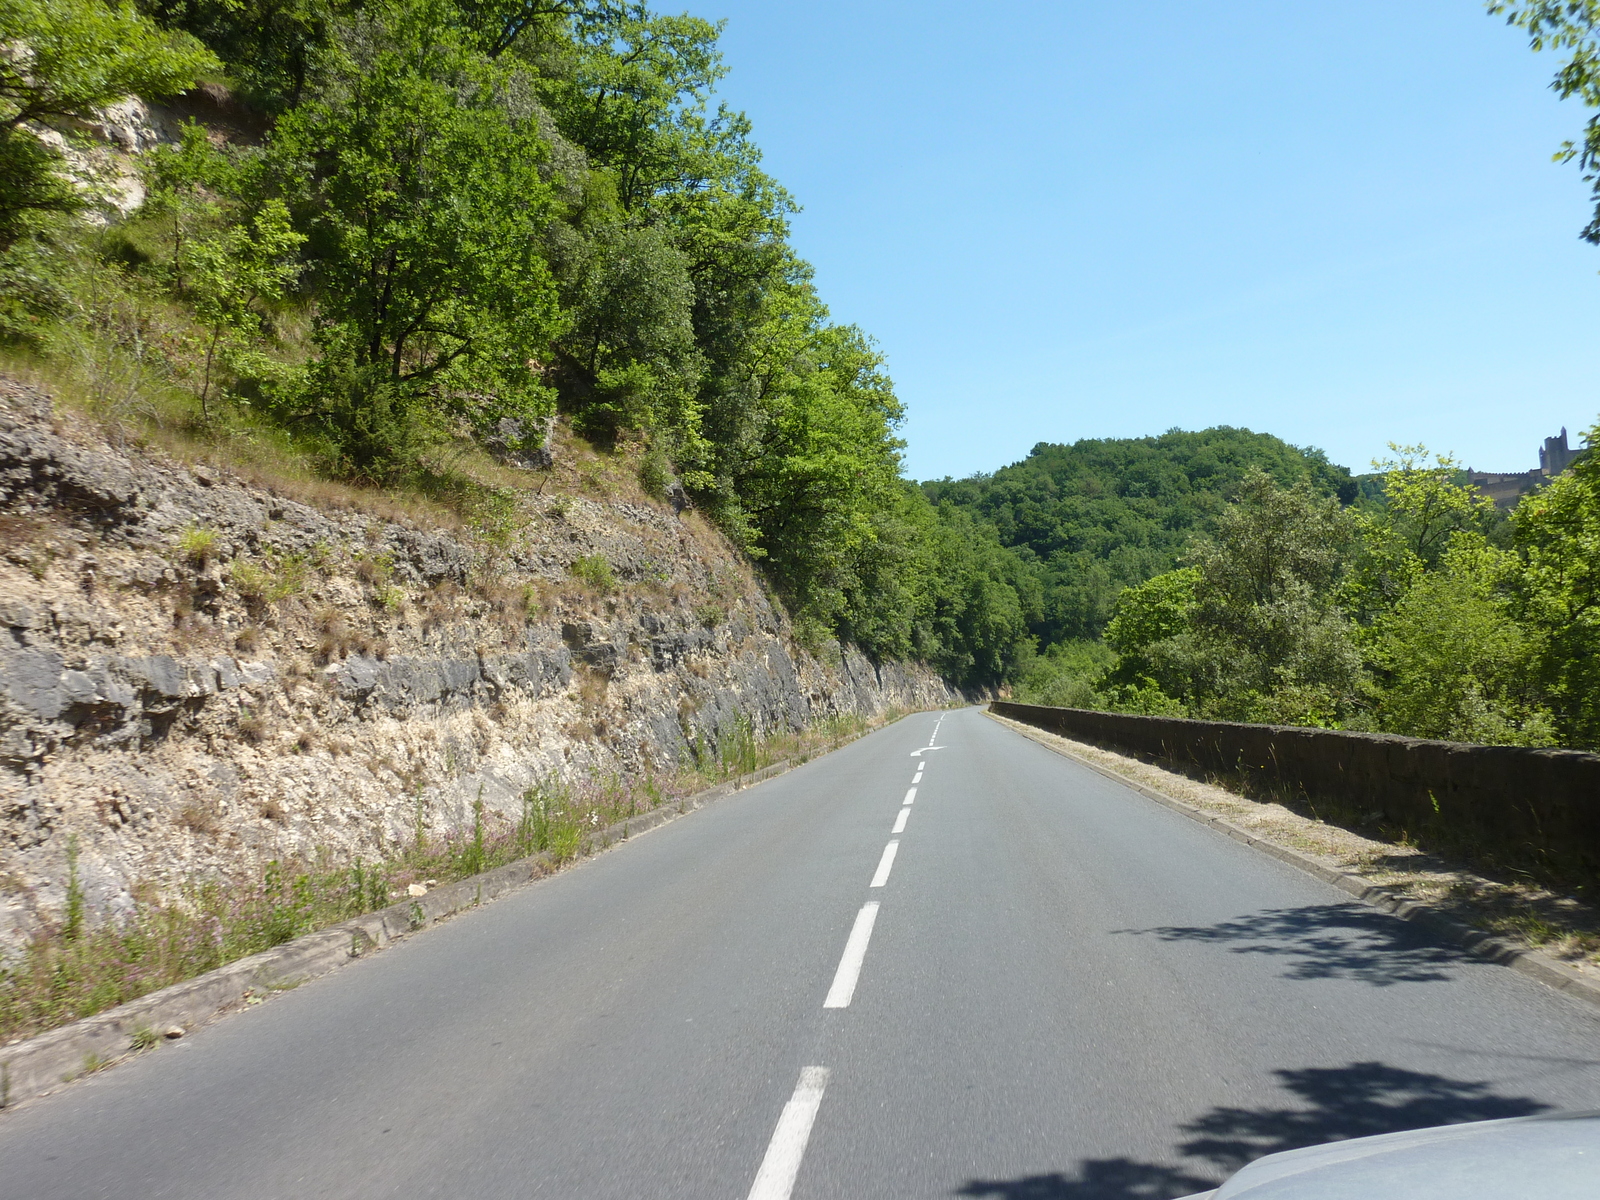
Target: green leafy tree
x,y
1251,631
1267,640
1453,661
234,273
635,96
976,601
668,262
1557,536
1146,623
418,187
824,464
1572,26
629,341
1424,508
63,61
190,186
270,46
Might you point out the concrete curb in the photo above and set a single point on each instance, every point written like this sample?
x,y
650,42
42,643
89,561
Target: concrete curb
x,y
1542,967
36,1066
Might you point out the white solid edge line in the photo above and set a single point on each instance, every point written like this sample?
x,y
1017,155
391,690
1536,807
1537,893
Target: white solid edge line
x,y
775,1179
855,953
911,794
900,821
885,865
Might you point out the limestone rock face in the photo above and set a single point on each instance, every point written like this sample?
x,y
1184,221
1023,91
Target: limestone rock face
x,y
198,674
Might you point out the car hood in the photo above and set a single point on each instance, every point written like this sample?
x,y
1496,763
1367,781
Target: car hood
x,y
1552,1157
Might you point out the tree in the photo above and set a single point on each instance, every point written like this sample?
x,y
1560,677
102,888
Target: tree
x,y
824,463
1453,661
977,600
189,186
236,270
1424,508
418,188
62,61
1557,536
1572,25
629,344
1251,632
1148,619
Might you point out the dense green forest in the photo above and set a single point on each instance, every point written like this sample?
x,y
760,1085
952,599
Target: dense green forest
x,y
1226,574
436,222
1426,613
1092,518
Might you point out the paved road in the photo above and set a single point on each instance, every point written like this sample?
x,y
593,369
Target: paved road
x,y
1066,992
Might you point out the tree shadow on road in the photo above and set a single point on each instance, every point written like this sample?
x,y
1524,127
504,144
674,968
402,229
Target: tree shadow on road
x,y
1332,1104
1095,1179
1328,941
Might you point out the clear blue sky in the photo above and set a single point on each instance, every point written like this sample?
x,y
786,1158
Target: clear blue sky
x,y
1338,223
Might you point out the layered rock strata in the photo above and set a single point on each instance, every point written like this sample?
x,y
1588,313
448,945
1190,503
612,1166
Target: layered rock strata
x,y
198,674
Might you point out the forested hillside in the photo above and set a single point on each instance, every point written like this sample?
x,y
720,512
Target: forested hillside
x,y
1424,612
421,227
1101,514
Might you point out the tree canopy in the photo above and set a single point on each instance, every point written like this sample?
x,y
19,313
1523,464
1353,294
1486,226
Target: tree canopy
x,y
463,216
1102,514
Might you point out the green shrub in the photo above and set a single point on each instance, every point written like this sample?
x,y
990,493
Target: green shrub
x,y
595,573
655,473
197,545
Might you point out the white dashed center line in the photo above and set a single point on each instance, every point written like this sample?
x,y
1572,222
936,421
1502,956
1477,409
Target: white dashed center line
x,y
885,865
855,953
781,1166
775,1179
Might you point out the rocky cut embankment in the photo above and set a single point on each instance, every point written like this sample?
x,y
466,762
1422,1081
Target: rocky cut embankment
x,y
198,674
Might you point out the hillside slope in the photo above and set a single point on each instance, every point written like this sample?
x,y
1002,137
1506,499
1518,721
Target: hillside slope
x,y
200,674
1104,513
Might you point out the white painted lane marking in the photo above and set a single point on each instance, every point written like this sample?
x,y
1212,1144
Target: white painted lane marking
x,y
919,753
855,953
885,864
900,821
911,794
917,778
775,1179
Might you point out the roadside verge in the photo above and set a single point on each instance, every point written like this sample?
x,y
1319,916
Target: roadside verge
x,y
38,1065
1546,969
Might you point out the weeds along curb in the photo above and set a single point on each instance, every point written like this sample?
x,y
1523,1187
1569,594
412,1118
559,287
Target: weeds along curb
x,y
1542,967
40,1064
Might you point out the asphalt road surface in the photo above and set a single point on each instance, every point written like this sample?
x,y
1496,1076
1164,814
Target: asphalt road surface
x,y
1048,988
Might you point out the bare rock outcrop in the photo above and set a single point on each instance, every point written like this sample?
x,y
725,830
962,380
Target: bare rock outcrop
x,y
198,674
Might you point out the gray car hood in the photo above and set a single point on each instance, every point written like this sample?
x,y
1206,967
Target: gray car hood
x,y
1554,1157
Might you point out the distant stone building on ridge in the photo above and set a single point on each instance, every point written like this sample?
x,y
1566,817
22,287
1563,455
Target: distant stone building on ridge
x,y
1555,456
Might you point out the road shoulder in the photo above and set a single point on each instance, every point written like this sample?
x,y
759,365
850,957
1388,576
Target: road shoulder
x,y
1552,938
41,1065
